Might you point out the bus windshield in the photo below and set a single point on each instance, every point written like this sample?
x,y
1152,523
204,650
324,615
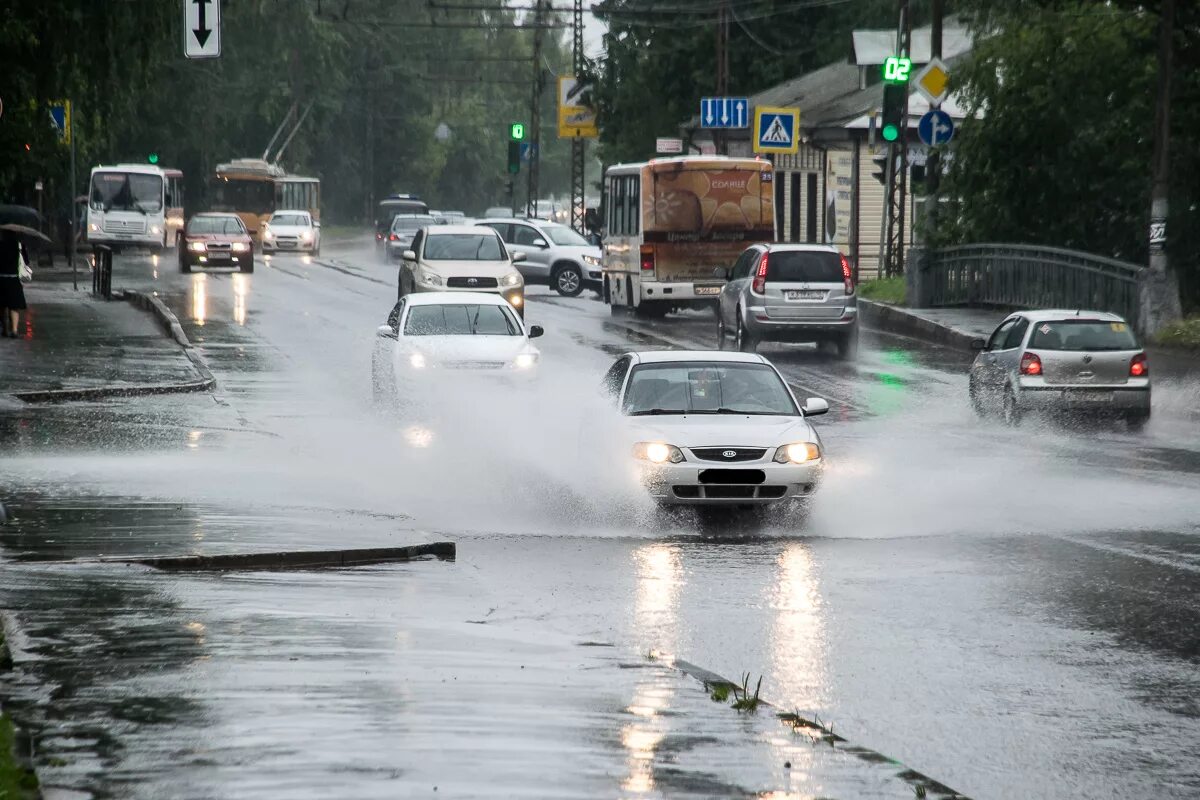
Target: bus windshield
x,y
127,191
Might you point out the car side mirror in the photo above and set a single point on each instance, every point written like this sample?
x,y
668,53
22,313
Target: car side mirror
x,y
409,255
386,332
814,406
316,224
535,331
540,243
518,256
721,272
978,344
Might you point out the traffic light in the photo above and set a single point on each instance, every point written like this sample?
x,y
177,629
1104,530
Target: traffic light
x,y
514,157
516,131
880,171
895,102
152,158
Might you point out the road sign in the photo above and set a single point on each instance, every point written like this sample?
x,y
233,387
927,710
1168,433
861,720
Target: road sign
x,y
724,112
934,81
60,116
202,28
935,127
576,114
776,130
528,150
668,145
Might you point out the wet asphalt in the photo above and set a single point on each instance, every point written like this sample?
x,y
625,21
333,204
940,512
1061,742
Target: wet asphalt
x,y
1014,613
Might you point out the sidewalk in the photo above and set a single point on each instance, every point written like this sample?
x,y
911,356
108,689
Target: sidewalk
x,y
75,346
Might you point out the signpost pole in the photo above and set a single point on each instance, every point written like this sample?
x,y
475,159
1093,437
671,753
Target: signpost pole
x,y
71,204
933,168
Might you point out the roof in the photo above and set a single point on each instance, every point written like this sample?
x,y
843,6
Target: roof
x,y
693,160
145,169
279,211
667,356
451,229
805,247
455,298
1053,314
216,214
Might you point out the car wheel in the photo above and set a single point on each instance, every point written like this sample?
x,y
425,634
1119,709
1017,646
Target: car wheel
x,y
248,266
722,332
977,403
1136,422
568,281
1012,409
184,266
847,346
743,340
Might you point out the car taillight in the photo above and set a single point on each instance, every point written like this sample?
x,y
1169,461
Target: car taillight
x,y
847,276
760,278
379,236
393,237
1139,366
1031,364
647,258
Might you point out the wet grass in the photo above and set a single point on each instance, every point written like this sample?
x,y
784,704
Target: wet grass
x,y
1184,334
742,699
885,290
16,781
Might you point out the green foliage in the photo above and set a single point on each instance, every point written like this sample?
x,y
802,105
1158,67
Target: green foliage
x,y
743,700
885,290
16,782
1184,334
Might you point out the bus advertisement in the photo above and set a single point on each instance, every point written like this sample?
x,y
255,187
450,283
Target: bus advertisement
x,y
127,207
254,190
672,223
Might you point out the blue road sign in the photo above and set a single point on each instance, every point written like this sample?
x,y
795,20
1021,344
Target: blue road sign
x,y
527,151
58,115
935,127
775,129
724,112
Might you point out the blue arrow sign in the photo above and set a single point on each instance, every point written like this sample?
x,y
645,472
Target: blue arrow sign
x,y
936,127
528,149
724,112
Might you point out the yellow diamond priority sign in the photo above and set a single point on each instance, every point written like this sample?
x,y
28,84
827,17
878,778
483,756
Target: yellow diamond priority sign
x,y
934,81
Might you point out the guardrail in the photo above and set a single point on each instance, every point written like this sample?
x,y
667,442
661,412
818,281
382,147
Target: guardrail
x,y
1023,276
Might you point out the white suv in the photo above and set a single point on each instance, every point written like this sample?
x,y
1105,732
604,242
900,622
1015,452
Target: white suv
x,y
555,255
462,258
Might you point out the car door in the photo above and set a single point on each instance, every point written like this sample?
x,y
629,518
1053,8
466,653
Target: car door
x,y
1008,358
526,239
987,369
729,292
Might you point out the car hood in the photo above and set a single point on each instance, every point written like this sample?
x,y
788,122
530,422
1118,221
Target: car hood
x,y
721,430
466,269
451,349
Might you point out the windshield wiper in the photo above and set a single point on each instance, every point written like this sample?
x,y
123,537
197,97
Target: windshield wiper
x,y
655,411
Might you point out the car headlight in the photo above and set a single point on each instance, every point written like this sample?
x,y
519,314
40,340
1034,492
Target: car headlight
x,y
657,452
591,261
267,234
416,361
306,236
240,247
430,278
510,280
155,230
798,453
197,247
525,361
93,226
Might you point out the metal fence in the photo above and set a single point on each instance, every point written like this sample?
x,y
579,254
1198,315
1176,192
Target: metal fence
x,y
1025,276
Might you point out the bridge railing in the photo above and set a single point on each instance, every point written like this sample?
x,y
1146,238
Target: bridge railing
x,y
1023,276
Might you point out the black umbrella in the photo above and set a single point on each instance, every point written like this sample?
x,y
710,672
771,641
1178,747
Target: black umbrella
x,y
20,215
32,238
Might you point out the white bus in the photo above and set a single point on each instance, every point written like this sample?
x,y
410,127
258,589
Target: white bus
x,y
127,207
671,222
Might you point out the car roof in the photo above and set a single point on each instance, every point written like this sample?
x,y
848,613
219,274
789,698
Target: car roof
x,y
801,247
455,298
1058,314
216,215
664,356
472,229
290,211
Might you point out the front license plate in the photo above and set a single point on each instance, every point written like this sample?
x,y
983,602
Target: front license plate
x,y
706,290
1089,397
804,294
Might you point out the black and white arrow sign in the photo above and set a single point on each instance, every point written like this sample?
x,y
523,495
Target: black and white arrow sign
x,y
202,28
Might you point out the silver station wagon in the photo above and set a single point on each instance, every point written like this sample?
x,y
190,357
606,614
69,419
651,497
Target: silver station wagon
x,y
1069,362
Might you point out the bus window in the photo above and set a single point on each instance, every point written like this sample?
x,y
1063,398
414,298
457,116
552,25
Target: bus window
x,y
635,206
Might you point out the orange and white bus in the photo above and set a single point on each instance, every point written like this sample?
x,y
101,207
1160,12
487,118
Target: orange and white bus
x,y
174,217
670,223
255,189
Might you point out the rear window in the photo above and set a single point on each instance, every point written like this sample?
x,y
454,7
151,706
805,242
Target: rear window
x,y
410,224
1082,334
792,266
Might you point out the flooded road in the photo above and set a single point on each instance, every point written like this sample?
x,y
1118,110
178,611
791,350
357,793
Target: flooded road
x,y
1014,613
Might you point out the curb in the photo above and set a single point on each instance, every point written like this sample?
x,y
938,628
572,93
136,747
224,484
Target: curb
x,y
923,785
893,319
171,326
298,559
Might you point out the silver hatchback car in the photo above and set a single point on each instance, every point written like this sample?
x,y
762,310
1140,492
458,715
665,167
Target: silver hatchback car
x,y
789,293
1068,362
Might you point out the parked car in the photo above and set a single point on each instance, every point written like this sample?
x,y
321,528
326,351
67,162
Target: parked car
x,y
216,240
708,428
291,231
789,293
469,332
462,258
1068,362
404,229
555,255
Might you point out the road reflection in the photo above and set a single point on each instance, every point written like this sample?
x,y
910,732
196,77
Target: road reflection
x,y
241,288
203,284
199,298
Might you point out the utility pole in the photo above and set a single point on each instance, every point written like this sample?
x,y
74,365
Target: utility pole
x,y
722,89
1159,293
535,121
897,187
578,143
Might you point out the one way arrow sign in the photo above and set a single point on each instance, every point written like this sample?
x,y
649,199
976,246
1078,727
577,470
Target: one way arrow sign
x,y
202,28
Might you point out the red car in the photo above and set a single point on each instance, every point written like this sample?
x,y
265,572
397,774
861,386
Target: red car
x,y
216,240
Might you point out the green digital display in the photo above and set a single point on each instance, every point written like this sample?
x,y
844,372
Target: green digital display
x,y
896,69
152,158
517,131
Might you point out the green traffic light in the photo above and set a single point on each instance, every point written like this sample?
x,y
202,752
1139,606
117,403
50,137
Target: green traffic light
x,y
890,133
517,131
153,158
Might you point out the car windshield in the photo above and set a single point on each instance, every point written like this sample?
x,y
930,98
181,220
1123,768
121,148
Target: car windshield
x,y
411,224
290,219
460,320
463,247
707,388
797,266
216,225
1082,334
561,234
127,191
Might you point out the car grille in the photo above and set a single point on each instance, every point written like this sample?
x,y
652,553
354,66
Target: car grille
x,y
125,225
474,364
738,476
720,453
729,492
219,246
286,241
472,283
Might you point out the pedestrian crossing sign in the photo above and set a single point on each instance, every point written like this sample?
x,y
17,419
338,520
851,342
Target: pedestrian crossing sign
x,y
776,130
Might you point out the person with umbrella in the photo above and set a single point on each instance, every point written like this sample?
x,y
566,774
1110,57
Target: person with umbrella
x,y
15,231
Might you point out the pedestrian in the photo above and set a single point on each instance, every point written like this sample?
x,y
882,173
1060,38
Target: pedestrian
x,y
12,295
